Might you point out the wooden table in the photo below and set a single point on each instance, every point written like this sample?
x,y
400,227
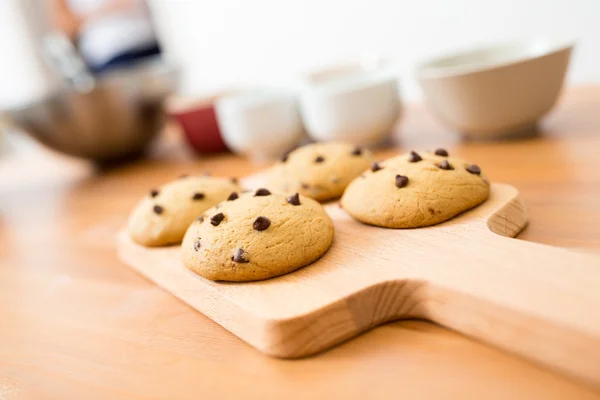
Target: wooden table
x,y
76,323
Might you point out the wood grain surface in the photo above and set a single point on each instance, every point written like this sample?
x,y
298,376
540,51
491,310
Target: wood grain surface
x,y
77,323
531,299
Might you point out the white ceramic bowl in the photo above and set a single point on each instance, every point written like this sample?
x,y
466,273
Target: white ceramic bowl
x,y
496,91
351,104
261,124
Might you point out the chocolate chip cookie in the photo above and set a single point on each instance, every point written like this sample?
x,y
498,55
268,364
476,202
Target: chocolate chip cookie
x,y
258,235
163,215
415,190
320,170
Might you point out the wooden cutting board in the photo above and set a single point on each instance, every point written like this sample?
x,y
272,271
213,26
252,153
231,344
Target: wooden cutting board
x,y
535,300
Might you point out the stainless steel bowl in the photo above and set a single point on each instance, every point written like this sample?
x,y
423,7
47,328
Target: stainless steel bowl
x,y
114,121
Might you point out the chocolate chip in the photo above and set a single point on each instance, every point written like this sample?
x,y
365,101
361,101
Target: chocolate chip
x,y
375,166
217,218
234,180
319,159
441,152
183,176
200,219
240,256
262,192
414,157
305,185
445,165
233,196
285,157
294,199
197,244
158,209
198,196
261,223
474,169
401,181
154,192
357,151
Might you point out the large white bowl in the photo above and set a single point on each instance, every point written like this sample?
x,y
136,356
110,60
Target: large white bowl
x,y
497,91
351,104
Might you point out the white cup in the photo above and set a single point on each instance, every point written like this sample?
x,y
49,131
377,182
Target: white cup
x,y
261,124
352,103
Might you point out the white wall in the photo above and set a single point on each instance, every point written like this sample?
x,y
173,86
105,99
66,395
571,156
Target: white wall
x,y
229,42
220,43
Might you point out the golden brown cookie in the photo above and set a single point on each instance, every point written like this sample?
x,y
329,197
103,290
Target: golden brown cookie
x,y
415,190
320,170
258,235
163,216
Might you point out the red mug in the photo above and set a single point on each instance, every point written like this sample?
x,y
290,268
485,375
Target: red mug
x,y
198,121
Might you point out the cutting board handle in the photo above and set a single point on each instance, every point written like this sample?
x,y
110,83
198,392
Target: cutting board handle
x,y
535,300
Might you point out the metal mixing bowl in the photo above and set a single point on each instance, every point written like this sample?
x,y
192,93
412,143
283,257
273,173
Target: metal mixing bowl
x,y
114,121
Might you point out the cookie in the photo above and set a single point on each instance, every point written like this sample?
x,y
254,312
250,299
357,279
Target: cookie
x,y
257,236
415,190
164,214
320,170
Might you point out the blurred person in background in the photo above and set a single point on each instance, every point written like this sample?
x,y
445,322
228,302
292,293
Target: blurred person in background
x,y
108,33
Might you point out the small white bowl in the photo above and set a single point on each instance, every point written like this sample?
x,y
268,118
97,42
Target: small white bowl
x,y
497,91
261,124
351,104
